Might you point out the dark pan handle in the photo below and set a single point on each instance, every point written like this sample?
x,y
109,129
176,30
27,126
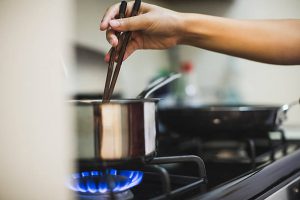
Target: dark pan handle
x,y
282,111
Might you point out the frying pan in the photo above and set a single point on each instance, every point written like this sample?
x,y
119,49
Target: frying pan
x,y
206,120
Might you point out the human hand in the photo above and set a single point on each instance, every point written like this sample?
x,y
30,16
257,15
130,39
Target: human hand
x,y
153,28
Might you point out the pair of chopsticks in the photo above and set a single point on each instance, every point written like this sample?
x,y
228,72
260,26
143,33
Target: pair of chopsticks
x,y
112,74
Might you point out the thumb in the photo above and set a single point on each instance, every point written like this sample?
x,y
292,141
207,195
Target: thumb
x,y
129,24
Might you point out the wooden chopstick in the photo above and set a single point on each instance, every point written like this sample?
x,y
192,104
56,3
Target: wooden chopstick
x,y
122,12
125,39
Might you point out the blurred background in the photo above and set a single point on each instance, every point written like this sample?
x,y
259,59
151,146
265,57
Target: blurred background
x,y
53,51
218,78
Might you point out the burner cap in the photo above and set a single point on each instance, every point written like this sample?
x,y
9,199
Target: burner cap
x,y
126,195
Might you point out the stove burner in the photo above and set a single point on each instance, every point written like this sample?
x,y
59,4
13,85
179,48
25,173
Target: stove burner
x,y
102,182
126,195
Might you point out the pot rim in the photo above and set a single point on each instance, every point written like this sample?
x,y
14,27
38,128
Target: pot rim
x,y
114,101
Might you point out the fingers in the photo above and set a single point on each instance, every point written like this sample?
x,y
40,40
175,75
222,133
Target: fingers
x,y
126,55
111,13
111,25
111,37
107,55
132,46
135,23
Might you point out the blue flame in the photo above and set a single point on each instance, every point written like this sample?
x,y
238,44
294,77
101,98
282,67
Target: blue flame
x,y
95,182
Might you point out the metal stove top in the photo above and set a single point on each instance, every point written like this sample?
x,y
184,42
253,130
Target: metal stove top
x,y
248,168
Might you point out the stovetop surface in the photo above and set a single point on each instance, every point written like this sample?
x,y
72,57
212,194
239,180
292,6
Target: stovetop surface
x,y
152,181
236,169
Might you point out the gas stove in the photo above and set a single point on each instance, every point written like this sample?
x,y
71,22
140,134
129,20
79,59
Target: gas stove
x,y
122,179
266,167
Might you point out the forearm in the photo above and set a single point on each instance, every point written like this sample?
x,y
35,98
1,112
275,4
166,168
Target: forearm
x,y
270,41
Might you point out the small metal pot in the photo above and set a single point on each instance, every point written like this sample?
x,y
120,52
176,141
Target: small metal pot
x,y
125,129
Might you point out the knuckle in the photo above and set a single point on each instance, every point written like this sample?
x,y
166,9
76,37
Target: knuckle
x,y
110,10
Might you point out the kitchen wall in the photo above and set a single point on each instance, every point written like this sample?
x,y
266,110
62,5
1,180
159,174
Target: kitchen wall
x,y
215,74
36,139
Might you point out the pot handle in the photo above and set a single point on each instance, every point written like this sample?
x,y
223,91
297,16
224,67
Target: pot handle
x,y
155,85
281,112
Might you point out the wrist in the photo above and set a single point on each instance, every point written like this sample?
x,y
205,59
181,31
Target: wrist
x,y
191,28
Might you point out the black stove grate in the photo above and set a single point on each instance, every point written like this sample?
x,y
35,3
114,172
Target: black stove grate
x,y
158,183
